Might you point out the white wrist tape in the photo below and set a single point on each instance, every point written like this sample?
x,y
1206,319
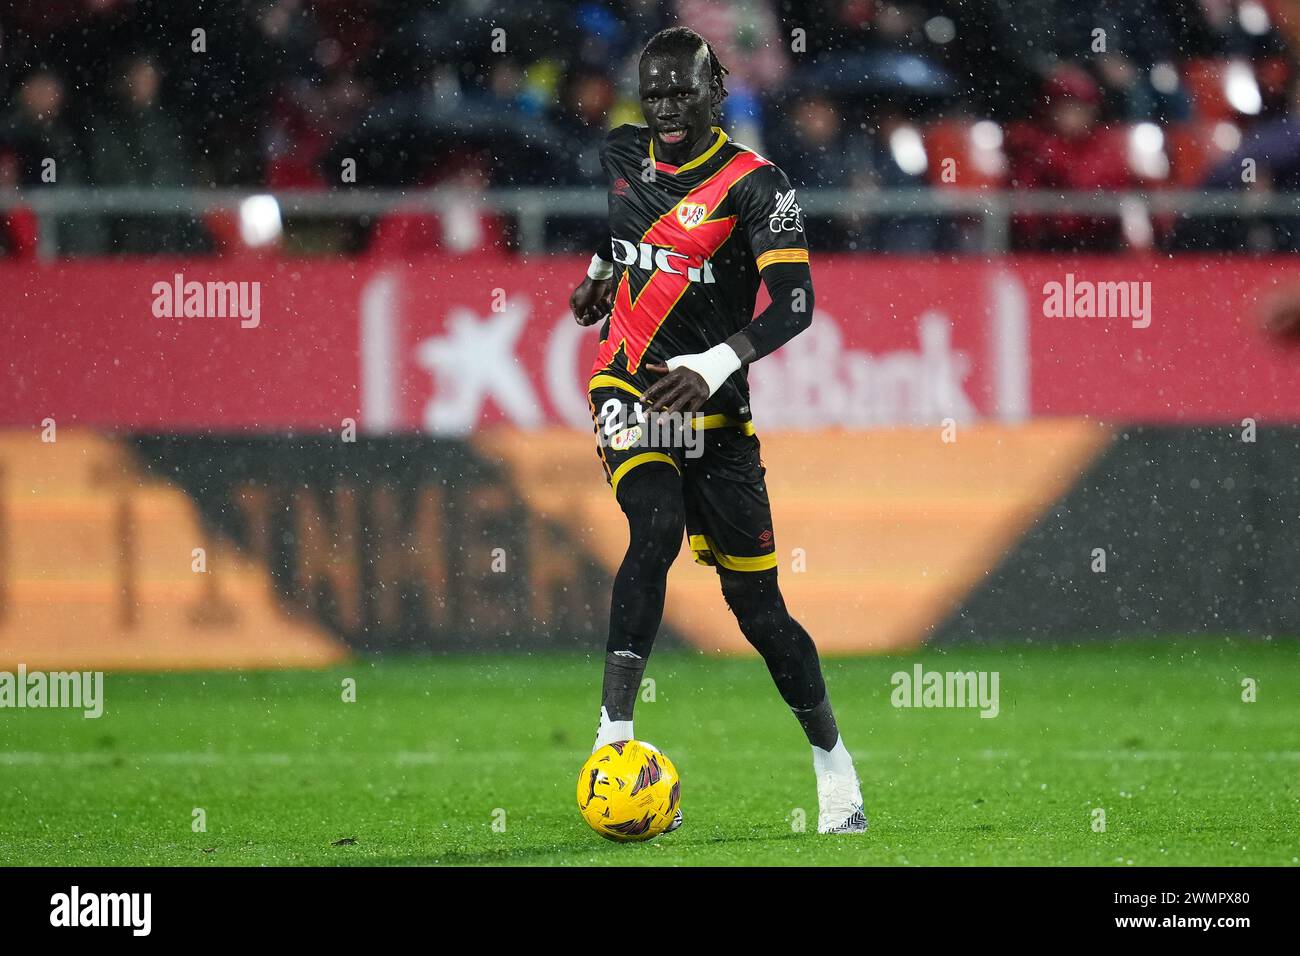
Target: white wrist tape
x,y
714,366
600,269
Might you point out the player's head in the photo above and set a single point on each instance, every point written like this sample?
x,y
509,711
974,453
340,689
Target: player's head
x,y
681,90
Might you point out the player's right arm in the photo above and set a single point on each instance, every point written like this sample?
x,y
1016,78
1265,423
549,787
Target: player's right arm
x,y
593,300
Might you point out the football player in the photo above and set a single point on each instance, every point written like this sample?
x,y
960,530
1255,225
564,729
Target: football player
x,y
696,222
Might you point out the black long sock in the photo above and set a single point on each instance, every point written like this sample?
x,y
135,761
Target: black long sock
x,y
651,497
788,651
818,724
622,681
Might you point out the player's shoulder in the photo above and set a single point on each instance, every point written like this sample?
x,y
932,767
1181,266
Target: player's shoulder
x,y
628,135
765,177
765,172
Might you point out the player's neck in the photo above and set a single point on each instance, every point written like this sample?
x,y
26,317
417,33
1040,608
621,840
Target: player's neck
x,y
685,152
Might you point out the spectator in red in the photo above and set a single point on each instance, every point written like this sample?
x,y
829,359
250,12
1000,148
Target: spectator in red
x,y
465,225
18,226
1069,149
304,122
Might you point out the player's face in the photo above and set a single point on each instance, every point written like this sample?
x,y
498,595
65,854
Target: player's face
x,y
677,99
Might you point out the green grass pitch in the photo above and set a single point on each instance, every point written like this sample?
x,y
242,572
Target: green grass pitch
x,y
434,751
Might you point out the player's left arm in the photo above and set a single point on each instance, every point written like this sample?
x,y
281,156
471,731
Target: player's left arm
x,y
772,219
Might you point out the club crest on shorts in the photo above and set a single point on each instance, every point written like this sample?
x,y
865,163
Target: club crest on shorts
x,y
691,214
625,439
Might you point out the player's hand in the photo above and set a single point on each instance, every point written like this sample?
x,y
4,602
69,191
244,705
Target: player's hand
x,y
681,390
592,301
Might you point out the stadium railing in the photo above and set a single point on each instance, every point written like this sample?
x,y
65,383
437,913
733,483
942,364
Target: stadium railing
x,y
531,208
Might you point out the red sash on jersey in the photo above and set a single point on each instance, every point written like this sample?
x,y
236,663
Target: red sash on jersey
x,y
635,323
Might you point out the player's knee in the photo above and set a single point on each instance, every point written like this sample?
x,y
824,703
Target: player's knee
x,y
657,533
755,600
651,498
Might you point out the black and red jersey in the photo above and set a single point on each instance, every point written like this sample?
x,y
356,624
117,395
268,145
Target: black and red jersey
x,y
689,245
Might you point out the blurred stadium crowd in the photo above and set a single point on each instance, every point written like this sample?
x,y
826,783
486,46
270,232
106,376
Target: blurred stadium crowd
x,y
854,94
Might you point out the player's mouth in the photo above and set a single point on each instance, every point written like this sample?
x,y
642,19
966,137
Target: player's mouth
x,y
671,136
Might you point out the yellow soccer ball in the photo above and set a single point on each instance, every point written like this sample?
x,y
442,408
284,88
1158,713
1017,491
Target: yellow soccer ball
x,y
629,791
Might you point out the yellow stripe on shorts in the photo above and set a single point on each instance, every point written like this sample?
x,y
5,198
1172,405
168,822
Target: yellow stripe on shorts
x,y
635,460
610,381
699,422
703,422
701,543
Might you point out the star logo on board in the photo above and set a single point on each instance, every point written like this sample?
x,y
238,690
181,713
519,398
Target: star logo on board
x,y
474,362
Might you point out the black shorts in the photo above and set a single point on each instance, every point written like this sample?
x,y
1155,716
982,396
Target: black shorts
x,y
728,517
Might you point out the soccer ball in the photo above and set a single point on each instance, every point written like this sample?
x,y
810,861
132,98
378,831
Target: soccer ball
x,y
628,791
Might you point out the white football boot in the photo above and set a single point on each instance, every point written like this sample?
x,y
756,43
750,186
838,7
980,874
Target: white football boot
x,y
839,801
839,796
677,821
